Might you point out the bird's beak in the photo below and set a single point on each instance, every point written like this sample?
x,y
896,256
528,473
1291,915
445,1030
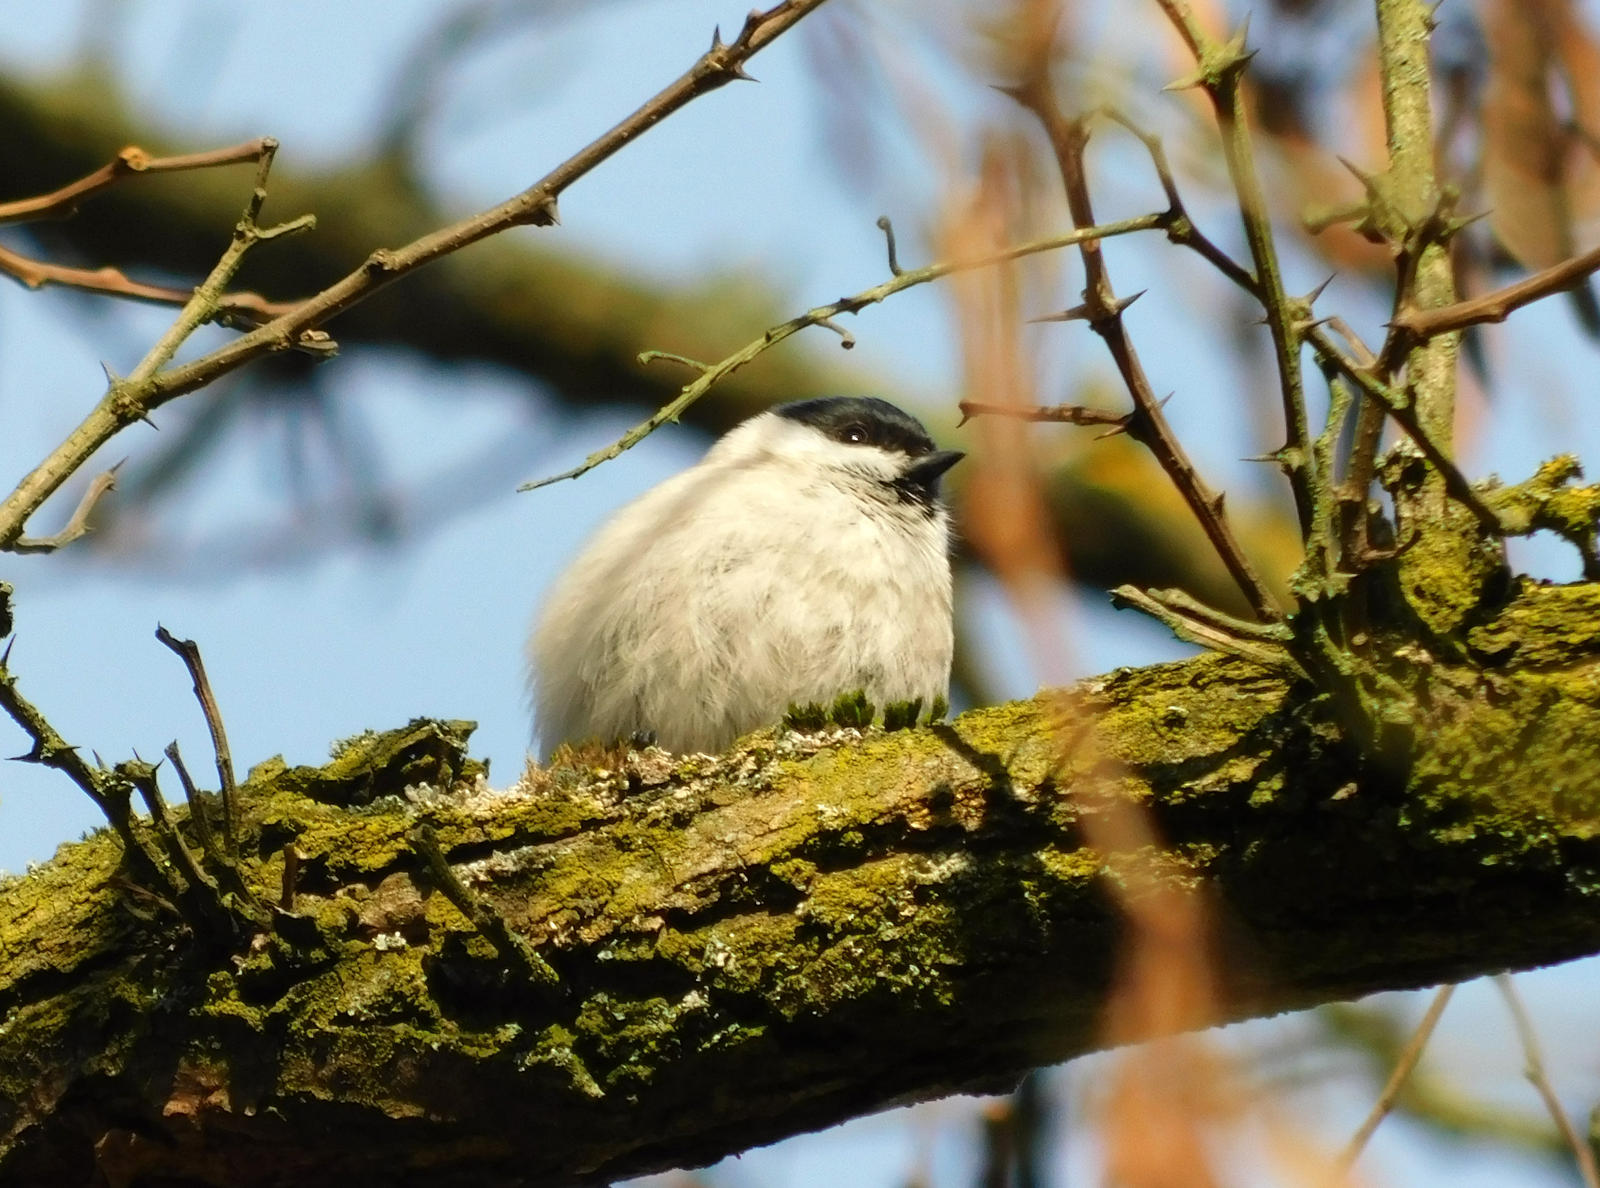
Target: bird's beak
x,y
926,470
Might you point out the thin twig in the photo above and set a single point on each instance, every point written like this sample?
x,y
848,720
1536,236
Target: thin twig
x,y
107,789
227,869
197,807
49,748
1208,630
1103,311
202,304
131,400
251,309
1220,73
1181,229
128,162
906,279
1403,410
120,406
189,652
79,523
1064,414
1425,274
1403,1068
887,228
1535,1072
142,776
1423,324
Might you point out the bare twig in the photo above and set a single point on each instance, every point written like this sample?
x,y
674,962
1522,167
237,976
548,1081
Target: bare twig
x,y
1409,1057
1423,324
138,396
1103,311
49,748
1191,620
78,524
905,279
1220,72
189,651
1062,414
1359,369
1535,1072
202,888
129,162
887,228
108,789
227,870
197,807
232,308
121,405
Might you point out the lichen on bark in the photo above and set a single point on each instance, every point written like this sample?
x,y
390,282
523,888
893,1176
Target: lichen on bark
x,y
805,928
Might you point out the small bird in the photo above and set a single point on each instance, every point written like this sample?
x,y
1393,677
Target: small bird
x,y
805,556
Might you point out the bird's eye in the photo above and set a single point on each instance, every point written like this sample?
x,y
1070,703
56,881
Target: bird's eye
x,y
853,434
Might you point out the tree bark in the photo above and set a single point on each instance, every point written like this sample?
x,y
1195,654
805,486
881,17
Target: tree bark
x,y
806,928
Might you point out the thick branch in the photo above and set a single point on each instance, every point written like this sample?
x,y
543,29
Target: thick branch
x,y
779,938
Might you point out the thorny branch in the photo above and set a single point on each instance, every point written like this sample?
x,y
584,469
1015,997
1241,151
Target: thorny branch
x,y
122,404
1103,311
823,315
1220,72
145,391
189,652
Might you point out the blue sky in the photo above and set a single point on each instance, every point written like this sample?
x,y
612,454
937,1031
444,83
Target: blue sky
x,y
370,637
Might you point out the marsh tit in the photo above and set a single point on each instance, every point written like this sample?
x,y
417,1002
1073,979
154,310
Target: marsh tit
x,y
805,556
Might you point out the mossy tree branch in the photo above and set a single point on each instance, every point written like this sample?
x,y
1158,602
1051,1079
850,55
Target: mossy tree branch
x,y
801,930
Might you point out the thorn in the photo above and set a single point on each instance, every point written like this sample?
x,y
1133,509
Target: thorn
x,y
546,214
1311,298
1078,313
112,378
717,43
1017,93
1269,457
1218,503
1117,430
1122,303
1187,82
1369,181
738,73
5,659
1460,223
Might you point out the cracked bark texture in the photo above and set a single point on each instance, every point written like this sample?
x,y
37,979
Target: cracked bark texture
x,y
804,929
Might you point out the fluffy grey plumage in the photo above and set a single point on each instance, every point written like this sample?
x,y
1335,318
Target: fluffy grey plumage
x,y
805,556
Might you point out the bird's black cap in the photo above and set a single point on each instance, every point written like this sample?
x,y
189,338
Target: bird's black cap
x,y
863,420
